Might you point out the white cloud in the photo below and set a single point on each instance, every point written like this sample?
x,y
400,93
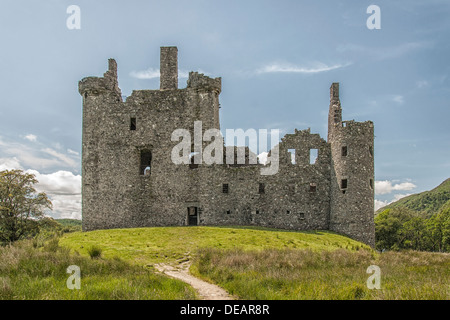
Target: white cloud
x,y
380,204
70,151
151,73
10,164
30,137
62,157
60,182
262,157
290,68
385,186
398,98
64,191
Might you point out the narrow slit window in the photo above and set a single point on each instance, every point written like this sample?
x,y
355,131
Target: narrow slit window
x,y
225,188
344,184
344,151
371,183
312,187
132,123
313,155
292,155
146,162
261,188
371,151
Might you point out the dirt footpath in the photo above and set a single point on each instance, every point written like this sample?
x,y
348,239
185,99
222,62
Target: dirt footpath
x,y
206,290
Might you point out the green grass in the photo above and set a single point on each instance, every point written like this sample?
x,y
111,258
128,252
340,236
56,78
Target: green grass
x,y
146,246
340,274
33,273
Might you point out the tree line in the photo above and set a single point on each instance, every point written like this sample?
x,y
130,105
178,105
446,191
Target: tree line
x,y
402,228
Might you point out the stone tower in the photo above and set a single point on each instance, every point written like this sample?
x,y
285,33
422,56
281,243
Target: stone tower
x,y
352,173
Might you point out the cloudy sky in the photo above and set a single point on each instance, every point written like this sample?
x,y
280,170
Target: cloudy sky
x,y
277,60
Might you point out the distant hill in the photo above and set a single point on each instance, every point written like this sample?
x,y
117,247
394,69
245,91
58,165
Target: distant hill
x,y
69,222
427,202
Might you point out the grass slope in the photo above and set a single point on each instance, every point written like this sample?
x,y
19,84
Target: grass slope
x,y
27,272
339,274
146,246
428,202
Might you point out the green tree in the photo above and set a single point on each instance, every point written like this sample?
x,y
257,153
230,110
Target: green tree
x,y
21,207
388,228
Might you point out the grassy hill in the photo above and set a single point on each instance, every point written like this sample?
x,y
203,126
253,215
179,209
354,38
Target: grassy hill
x,y
146,246
250,263
427,202
258,263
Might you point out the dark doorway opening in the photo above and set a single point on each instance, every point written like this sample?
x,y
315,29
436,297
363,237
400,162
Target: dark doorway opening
x,y
192,216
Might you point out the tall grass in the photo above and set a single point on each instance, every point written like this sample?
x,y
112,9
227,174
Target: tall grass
x,y
28,271
340,274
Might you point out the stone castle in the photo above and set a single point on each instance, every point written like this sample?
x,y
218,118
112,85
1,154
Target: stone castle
x,y
130,180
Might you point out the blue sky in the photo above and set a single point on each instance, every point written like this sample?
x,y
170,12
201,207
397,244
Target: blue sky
x,y
277,60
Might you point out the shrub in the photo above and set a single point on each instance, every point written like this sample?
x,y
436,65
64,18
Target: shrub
x,y
94,252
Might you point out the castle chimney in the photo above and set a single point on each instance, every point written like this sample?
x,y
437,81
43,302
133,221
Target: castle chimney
x,y
169,68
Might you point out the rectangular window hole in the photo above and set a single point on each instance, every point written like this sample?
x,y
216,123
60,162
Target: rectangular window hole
x,y
132,123
313,155
312,187
225,188
344,151
344,184
292,154
261,188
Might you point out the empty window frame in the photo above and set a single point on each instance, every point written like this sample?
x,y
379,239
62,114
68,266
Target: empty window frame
x,y
225,188
344,185
192,157
261,188
344,151
132,123
312,187
146,162
371,183
292,155
371,151
313,155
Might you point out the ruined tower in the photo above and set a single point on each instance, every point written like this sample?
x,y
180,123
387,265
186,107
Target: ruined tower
x,y
130,180
352,173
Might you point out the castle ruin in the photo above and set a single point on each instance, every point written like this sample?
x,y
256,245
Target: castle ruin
x,y
129,179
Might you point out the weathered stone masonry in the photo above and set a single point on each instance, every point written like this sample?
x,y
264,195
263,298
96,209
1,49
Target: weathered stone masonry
x,y
122,138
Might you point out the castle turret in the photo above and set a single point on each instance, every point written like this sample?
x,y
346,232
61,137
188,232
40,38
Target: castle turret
x,y
352,176
101,97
